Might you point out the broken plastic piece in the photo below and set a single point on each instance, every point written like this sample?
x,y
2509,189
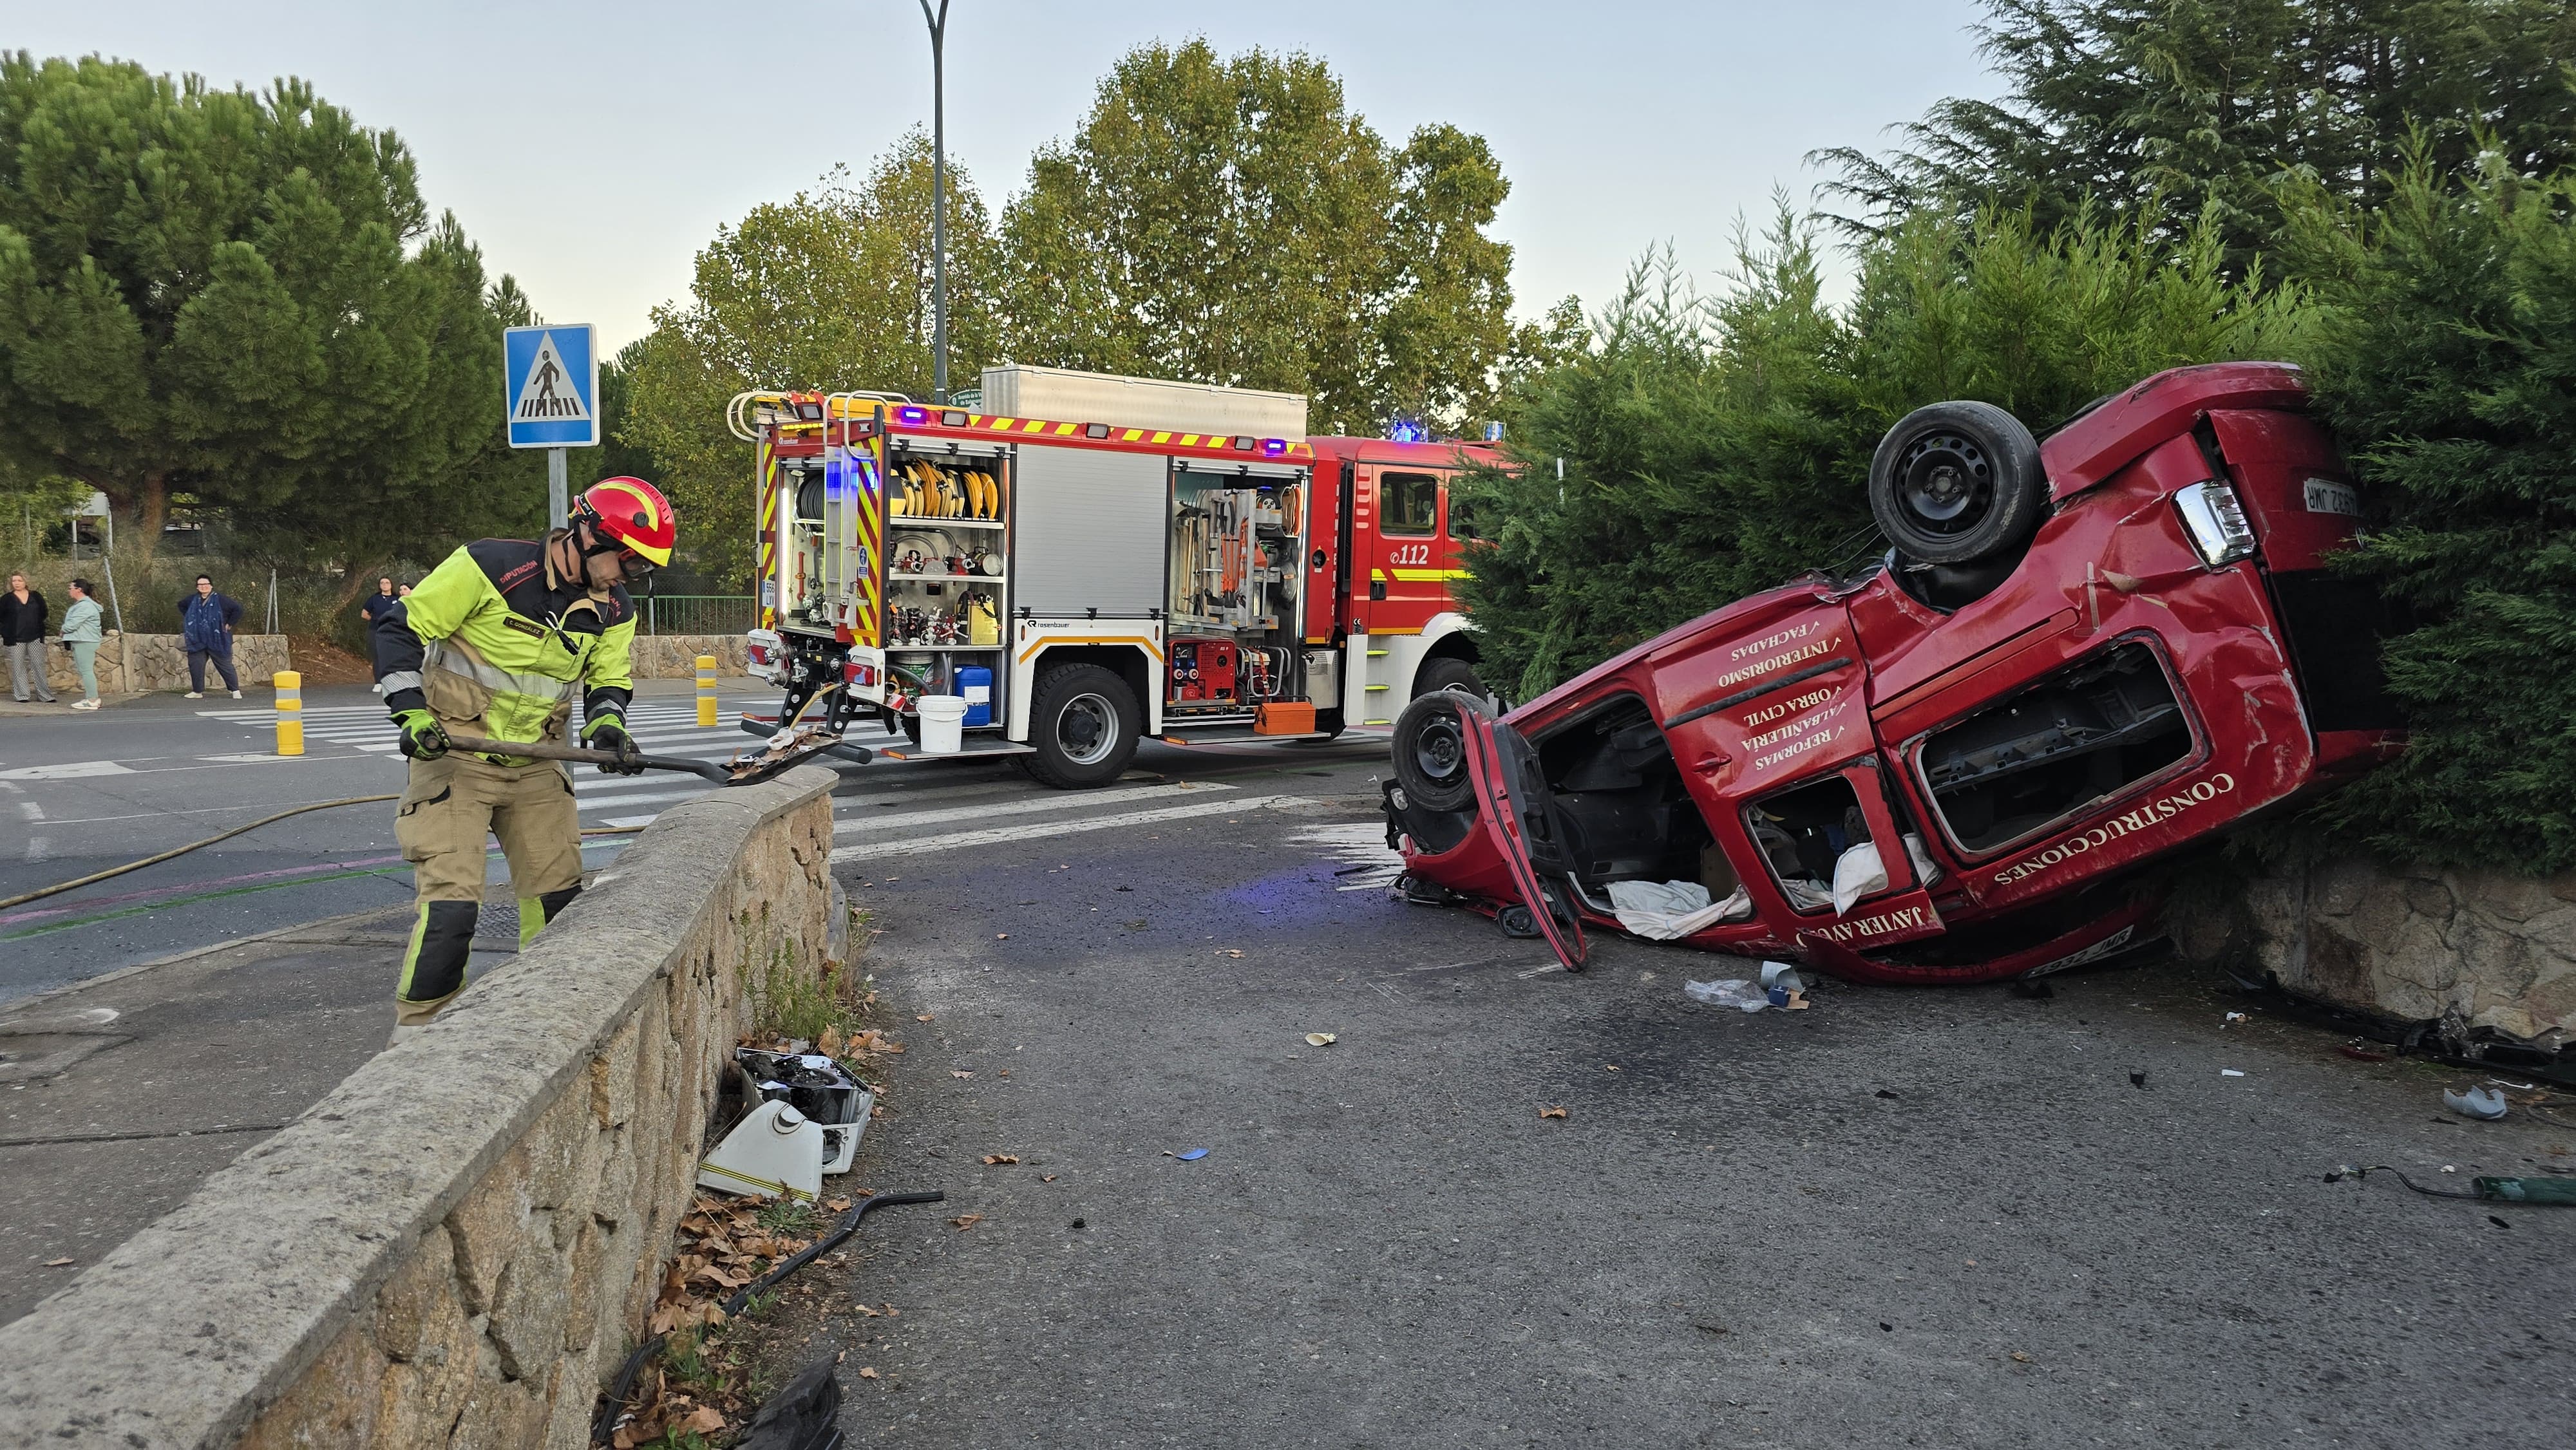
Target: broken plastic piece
x,y
2484,1104
1191,1155
1734,992
2229,1072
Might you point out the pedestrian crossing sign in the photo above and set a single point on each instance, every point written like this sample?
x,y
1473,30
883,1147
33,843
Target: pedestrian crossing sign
x,y
550,384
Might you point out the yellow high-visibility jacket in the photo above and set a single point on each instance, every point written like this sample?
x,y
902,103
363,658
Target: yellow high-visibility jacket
x,y
494,645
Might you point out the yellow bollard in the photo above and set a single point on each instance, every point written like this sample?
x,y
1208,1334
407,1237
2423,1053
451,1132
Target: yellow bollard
x,y
290,712
706,692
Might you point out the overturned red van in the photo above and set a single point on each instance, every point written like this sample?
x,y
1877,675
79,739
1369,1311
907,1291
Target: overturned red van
x,y
2080,656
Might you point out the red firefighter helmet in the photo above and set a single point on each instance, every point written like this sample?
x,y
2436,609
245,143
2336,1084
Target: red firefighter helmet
x,y
633,513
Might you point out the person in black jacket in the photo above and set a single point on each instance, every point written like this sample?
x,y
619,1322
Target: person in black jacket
x,y
22,634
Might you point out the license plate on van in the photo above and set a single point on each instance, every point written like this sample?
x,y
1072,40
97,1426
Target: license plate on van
x,y
2325,496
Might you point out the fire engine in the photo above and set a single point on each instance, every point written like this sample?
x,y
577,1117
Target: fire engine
x,y
1088,560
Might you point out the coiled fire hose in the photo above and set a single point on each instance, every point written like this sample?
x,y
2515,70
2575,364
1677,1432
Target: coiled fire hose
x,y
59,887
623,1386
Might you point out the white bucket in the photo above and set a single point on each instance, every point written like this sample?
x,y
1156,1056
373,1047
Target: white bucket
x,y
943,724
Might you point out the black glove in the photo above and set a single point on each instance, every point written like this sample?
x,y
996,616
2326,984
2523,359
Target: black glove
x,y
422,736
608,732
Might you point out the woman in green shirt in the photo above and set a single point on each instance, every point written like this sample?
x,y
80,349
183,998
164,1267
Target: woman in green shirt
x,y
82,631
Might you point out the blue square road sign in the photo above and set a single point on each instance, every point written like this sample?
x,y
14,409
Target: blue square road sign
x,y
550,384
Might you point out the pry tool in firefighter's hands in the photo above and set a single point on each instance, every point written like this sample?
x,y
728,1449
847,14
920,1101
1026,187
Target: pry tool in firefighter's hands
x,y
785,750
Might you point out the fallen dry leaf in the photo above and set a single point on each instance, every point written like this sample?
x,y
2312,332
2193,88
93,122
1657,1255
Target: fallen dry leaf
x,y
57,1263
867,1371
864,1309
1321,1039
964,1222
829,1044
960,1072
2020,1358
1046,1178
705,1420
1551,1112
837,1205
924,1017
1229,951
990,1159
1001,936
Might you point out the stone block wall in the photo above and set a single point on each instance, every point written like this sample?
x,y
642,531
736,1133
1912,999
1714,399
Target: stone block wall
x,y
675,656
137,663
458,1245
2484,947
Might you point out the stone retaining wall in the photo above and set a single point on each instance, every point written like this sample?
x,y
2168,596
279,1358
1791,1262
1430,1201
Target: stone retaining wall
x,y
136,663
456,1246
675,656
2484,947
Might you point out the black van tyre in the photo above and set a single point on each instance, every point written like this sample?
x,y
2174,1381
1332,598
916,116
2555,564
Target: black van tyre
x,y
1448,672
1956,483
1430,750
1084,722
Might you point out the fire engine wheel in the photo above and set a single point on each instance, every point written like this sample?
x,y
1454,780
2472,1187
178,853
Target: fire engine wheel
x,y
1957,483
1448,672
1430,750
1084,722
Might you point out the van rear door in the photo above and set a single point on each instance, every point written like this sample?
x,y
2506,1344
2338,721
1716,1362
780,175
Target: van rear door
x,y
1513,808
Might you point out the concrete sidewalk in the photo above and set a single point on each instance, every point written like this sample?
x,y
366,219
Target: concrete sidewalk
x,y
119,1096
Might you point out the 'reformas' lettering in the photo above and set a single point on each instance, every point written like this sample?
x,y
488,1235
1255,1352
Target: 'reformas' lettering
x,y
2162,808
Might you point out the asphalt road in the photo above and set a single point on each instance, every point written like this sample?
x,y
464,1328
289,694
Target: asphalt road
x,y
1901,1217
1917,1217
83,792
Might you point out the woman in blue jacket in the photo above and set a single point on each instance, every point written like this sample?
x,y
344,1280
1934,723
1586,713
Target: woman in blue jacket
x,y
206,621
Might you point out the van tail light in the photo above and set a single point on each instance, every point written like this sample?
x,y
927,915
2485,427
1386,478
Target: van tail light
x,y
2216,522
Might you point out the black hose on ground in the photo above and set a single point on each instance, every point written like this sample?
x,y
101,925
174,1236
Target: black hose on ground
x,y
40,893
623,1385
59,887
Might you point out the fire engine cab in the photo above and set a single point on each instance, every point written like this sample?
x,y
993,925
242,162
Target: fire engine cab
x,y
1085,560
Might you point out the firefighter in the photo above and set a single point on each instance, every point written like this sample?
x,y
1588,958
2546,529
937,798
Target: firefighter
x,y
494,643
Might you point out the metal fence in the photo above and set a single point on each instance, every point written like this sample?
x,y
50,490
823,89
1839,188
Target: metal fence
x,y
699,613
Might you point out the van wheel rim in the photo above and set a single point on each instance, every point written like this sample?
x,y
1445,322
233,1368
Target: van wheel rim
x,y
1440,749
1086,729
1946,482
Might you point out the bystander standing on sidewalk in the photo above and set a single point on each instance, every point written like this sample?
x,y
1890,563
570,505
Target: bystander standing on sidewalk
x,y
22,633
83,628
374,609
206,624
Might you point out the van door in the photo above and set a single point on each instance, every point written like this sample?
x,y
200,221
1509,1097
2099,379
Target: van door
x,y
1767,715
1514,811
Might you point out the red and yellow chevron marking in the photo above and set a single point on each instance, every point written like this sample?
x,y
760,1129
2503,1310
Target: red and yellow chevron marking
x,y
1079,434
870,458
764,482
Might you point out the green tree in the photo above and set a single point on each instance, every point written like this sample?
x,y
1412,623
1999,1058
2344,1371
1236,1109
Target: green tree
x,y
830,290
2443,355
1713,448
2208,107
237,297
1232,221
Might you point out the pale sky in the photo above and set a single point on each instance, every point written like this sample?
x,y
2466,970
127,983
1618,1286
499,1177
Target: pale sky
x,y
592,149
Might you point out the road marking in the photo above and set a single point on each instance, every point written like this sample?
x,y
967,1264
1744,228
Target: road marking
x,y
76,770
1051,802
31,810
1038,830
38,848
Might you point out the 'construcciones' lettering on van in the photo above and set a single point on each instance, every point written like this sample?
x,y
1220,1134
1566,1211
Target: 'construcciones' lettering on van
x,y
2162,808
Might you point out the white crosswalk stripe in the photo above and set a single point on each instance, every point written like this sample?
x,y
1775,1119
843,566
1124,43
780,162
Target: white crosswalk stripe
x,y
1035,830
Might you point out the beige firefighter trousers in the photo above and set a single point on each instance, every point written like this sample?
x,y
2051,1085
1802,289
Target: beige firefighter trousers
x,y
447,808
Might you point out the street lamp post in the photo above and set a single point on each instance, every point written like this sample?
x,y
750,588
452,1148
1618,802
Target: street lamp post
x,y
938,201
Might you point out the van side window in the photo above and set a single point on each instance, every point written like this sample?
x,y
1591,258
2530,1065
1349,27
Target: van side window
x,y
2082,734
1408,503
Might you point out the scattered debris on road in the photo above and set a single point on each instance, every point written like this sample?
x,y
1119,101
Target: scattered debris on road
x,y
1321,1039
1551,1112
2483,1104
